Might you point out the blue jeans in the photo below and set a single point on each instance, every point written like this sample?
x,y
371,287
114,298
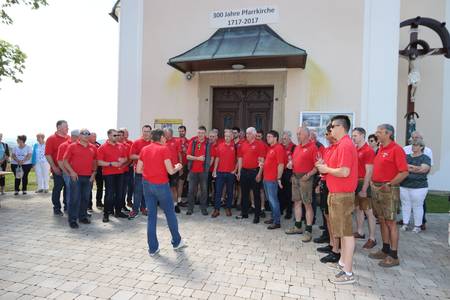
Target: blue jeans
x,y
222,179
67,192
138,200
79,198
58,185
271,189
153,194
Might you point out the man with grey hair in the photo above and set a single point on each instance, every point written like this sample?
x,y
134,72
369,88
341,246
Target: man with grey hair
x,y
213,139
390,168
285,194
74,134
250,154
417,136
303,160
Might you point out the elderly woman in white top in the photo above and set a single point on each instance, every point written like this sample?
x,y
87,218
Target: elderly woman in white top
x,y
41,165
21,157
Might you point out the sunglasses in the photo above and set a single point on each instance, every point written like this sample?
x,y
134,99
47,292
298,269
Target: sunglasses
x,y
335,125
86,133
116,135
371,141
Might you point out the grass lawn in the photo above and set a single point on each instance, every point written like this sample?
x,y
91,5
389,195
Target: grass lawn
x,y
435,203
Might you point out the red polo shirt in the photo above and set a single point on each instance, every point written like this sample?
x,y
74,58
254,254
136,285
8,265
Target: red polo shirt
x,y
52,144
250,152
388,162
127,148
136,148
326,153
344,155
153,157
184,144
81,158
365,157
226,153
304,157
174,147
111,153
214,153
275,156
62,150
200,149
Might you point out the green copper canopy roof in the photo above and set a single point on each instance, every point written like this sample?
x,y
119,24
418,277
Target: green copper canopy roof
x,y
254,47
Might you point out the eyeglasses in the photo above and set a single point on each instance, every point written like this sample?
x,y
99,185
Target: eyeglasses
x,y
86,133
116,135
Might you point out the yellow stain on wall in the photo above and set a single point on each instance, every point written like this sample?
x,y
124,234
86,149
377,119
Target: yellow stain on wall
x,y
319,86
174,79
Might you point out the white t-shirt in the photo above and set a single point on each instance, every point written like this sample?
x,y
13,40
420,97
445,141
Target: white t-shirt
x,y
427,151
21,154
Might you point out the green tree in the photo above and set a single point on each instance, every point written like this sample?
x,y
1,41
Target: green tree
x,y
12,59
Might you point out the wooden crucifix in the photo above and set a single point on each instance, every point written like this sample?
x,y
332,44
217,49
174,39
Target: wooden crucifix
x,y
415,50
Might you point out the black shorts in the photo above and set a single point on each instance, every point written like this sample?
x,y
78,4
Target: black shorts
x,y
173,179
185,173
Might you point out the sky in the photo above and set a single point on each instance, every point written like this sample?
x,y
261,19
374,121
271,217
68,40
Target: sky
x,y
71,71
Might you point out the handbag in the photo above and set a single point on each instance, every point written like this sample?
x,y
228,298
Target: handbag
x,y
19,172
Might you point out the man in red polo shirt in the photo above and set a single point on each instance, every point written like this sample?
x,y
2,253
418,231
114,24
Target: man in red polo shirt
x,y
273,167
138,145
363,204
154,163
199,157
342,180
74,135
213,139
390,168
251,153
303,160
224,172
183,141
51,152
174,147
285,194
112,157
128,175
80,163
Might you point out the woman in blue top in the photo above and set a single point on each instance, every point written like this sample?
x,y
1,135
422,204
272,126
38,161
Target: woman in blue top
x,y
414,188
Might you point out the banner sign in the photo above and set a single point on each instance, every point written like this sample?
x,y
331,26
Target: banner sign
x,y
244,16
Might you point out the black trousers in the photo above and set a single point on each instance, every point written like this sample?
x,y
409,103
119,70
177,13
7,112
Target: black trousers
x,y
248,183
26,171
114,187
285,194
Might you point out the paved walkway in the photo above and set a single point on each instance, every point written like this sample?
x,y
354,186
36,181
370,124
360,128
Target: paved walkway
x,y
41,257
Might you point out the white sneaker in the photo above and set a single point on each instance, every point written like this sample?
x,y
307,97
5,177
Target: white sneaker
x,y
153,253
417,229
180,246
404,228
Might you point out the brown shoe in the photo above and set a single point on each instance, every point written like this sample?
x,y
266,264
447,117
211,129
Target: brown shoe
x,y
307,237
215,213
273,226
356,235
423,227
389,262
378,255
228,212
369,244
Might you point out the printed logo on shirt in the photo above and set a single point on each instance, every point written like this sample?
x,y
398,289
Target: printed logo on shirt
x,y
385,154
